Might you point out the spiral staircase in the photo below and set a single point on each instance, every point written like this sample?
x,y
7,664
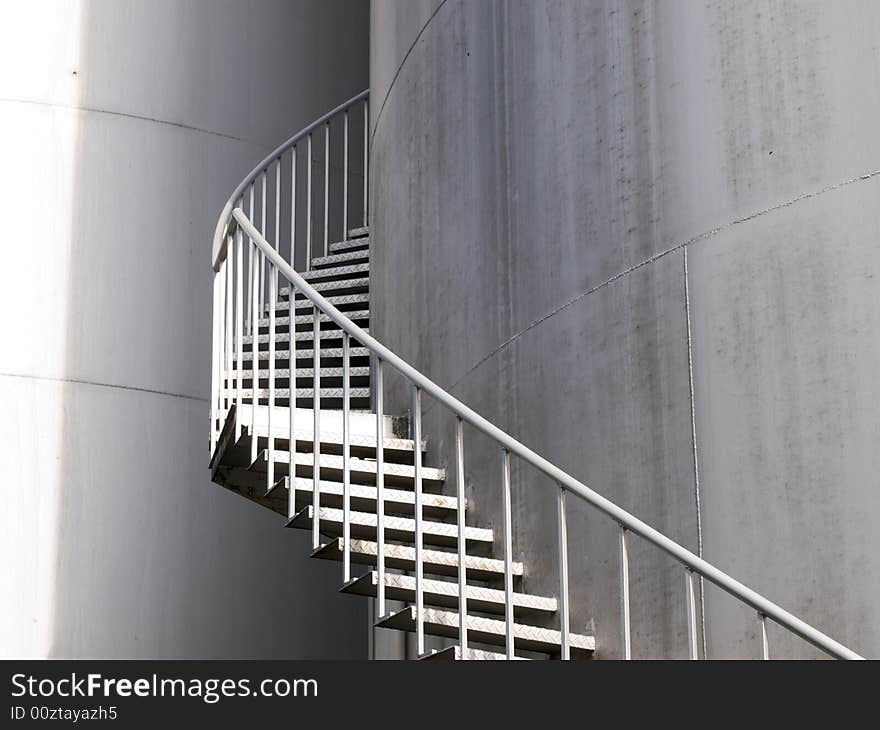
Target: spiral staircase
x,y
297,425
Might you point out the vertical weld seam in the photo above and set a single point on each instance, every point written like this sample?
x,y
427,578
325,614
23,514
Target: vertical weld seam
x,y
697,500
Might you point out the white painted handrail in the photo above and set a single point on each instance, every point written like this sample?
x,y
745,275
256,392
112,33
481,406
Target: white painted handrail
x,y
627,522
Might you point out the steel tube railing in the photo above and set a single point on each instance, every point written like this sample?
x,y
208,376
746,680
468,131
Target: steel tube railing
x,y
618,514
346,450
562,533
460,518
218,249
417,485
508,555
316,424
380,489
625,633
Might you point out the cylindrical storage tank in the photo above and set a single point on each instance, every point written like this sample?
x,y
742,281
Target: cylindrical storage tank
x,y
126,125
642,238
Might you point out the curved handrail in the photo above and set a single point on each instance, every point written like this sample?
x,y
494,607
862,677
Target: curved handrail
x,y
218,249
626,520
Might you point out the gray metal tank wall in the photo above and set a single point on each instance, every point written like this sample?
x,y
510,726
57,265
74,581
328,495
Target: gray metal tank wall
x,y
125,126
540,170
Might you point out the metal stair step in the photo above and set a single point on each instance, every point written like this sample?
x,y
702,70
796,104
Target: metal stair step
x,y
337,258
490,631
335,272
330,466
363,525
362,437
263,339
283,394
309,319
337,285
359,232
344,302
304,373
402,557
328,353
350,245
444,593
456,654
363,499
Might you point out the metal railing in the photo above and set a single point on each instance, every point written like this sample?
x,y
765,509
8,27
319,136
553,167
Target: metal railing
x,y
228,327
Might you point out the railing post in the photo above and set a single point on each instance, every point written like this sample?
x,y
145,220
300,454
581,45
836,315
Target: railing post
x,y
417,483
380,490
215,379
251,253
292,214
291,439
326,187
366,155
691,613
346,452
270,454
765,640
221,338
316,427
625,638
239,330
255,351
262,286
462,552
508,557
308,263
562,533
345,177
230,266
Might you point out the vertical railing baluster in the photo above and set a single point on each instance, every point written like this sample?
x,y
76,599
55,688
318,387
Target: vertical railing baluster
x,y
239,330
380,489
292,215
251,254
625,638
215,358
262,297
345,177
346,452
326,187
221,338
270,472
691,613
417,483
308,263
462,552
292,382
765,640
316,427
230,268
255,351
562,533
277,205
366,154
508,556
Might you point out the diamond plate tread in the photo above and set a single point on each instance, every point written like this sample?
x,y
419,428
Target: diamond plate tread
x,y
366,442
456,654
357,315
358,468
359,232
341,257
308,373
343,300
363,498
482,630
335,272
306,353
334,334
363,525
445,594
283,394
403,557
350,245
335,285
